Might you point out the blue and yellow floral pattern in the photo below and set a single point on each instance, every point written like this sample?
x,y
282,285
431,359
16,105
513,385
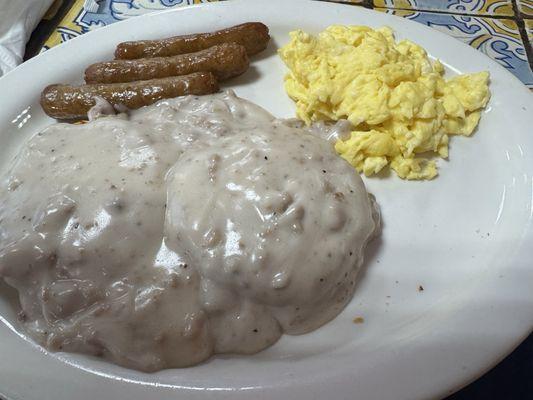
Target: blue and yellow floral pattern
x,y
78,21
529,30
525,7
478,7
467,20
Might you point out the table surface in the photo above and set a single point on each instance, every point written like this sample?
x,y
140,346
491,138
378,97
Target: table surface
x,y
502,29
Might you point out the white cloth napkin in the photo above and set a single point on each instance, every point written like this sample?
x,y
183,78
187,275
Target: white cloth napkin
x,y
18,18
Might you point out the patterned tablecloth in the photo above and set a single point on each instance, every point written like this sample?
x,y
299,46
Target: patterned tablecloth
x,y
502,29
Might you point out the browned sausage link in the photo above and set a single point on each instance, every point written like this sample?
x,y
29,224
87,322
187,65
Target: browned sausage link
x,y
224,61
73,102
252,35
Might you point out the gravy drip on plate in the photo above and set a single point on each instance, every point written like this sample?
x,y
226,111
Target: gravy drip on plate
x,y
195,226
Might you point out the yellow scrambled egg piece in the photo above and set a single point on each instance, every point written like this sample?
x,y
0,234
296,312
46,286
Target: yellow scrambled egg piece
x,y
395,97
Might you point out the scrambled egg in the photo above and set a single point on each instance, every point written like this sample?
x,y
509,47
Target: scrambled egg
x,y
395,97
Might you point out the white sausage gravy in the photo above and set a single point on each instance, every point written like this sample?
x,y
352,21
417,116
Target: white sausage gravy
x,y
195,226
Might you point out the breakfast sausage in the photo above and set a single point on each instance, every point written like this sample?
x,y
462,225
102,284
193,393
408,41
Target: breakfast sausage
x,y
72,102
224,61
252,35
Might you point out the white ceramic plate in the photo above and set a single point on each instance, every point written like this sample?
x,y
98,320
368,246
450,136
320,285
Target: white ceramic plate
x,y
464,237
